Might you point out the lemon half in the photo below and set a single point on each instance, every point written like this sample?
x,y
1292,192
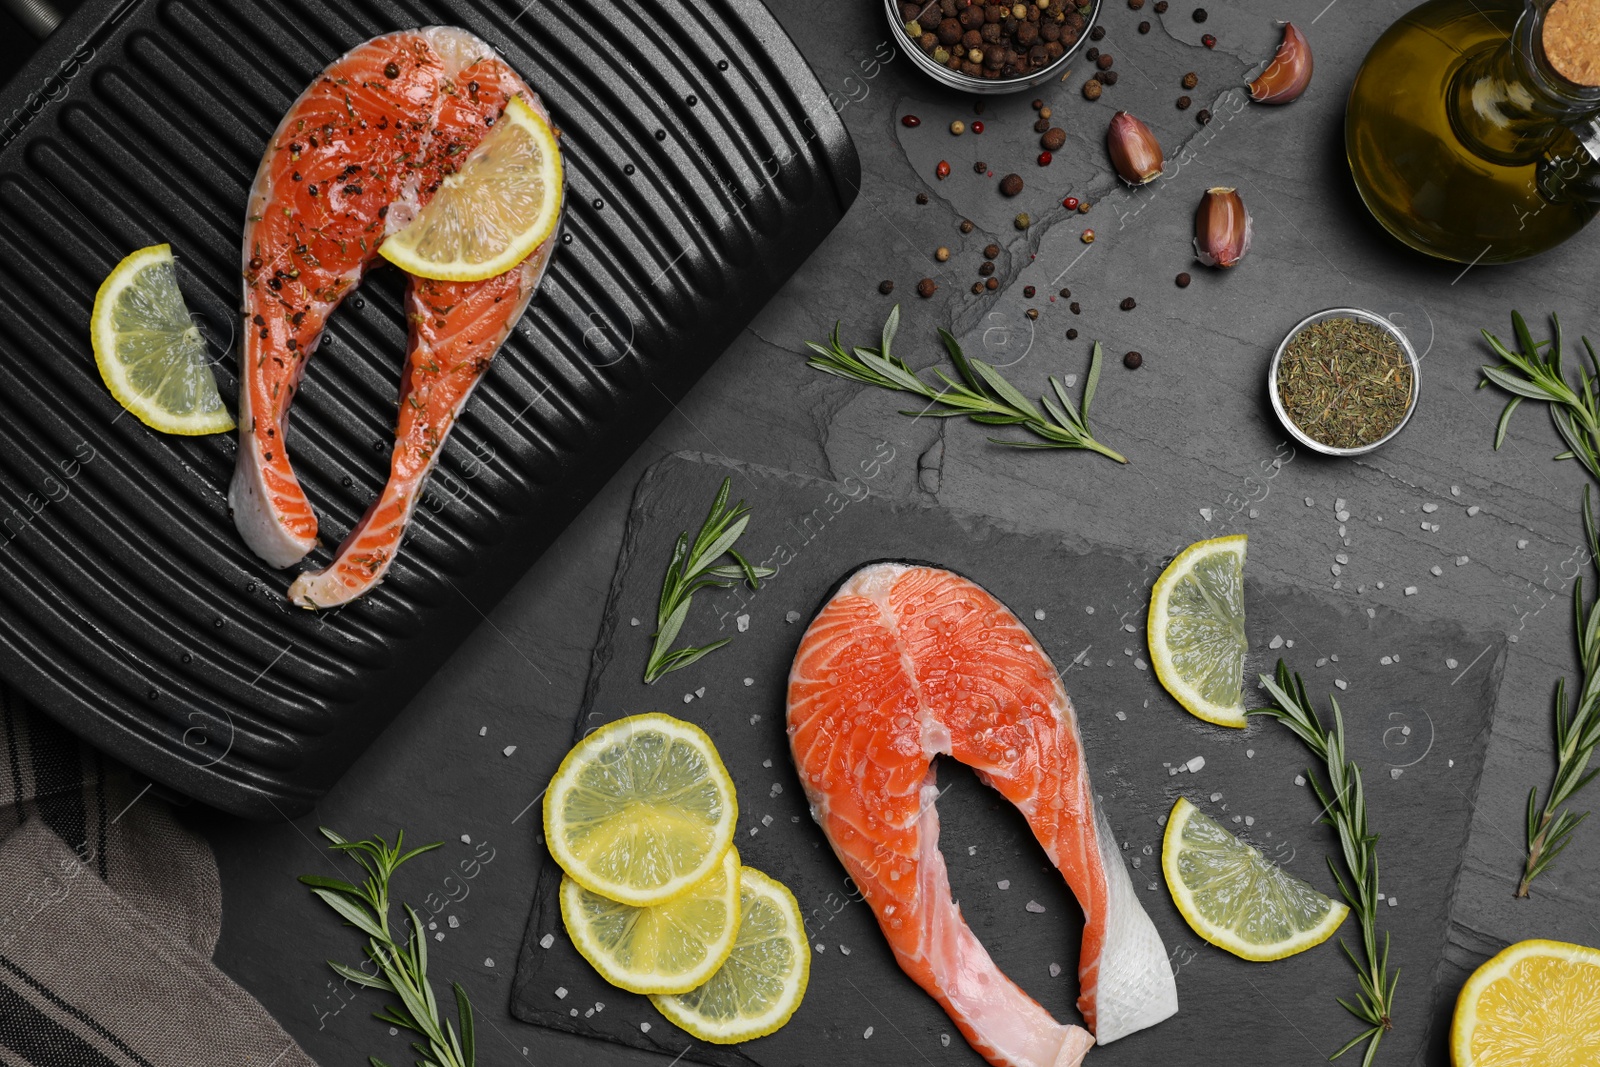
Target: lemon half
x,y
1233,897
641,809
760,985
1536,1004
150,353
489,215
1196,630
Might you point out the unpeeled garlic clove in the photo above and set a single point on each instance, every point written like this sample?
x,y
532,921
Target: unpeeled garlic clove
x,y
1135,152
1221,228
1287,76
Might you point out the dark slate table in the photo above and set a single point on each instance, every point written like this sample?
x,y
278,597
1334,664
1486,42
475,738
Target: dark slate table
x,y
1193,419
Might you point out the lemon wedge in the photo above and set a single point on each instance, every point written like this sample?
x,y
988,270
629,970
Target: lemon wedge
x,y
1196,630
665,948
1536,1004
763,980
641,810
488,216
150,353
1233,897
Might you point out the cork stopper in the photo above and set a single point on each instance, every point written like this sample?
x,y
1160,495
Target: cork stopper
x,y
1572,40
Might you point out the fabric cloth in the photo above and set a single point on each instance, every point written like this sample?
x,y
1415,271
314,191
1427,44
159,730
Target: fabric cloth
x,y
109,911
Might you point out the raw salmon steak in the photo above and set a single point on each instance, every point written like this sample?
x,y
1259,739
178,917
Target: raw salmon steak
x,y
907,662
358,154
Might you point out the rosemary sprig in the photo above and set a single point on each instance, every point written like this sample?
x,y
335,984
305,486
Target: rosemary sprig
x,y
401,968
694,567
982,395
1575,410
1344,806
1577,733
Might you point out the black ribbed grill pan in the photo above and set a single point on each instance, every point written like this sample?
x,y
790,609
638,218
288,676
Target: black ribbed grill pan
x,y
129,608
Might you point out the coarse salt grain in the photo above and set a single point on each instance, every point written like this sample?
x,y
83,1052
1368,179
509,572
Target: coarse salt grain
x,y
1276,642
742,622
791,616
1196,764
1034,906
1004,883
1055,970
1038,614
561,992
1299,779
1215,797
1411,590
547,940
1341,683
508,750
866,1033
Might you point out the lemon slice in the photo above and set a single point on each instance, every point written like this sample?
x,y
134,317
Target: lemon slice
x,y
489,215
666,948
640,810
1196,629
1536,1004
149,351
1231,896
763,980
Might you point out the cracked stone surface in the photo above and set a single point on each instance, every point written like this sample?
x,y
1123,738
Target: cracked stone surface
x,y
1194,421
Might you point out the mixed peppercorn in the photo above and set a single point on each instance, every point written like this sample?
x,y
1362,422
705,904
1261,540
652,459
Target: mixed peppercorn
x,y
993,41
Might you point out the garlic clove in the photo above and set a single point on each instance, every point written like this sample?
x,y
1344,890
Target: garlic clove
x,y
1135,152
1287,76
1221,228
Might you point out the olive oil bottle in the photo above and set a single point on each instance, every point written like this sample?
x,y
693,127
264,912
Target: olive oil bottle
x,y
1464,139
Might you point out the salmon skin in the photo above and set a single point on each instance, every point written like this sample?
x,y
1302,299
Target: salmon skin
x,y
358,154
909,661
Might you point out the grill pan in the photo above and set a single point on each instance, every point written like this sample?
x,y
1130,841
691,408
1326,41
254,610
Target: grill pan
x,y
704,164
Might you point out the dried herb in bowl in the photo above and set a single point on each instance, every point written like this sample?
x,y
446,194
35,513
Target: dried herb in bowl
x,y
1344,382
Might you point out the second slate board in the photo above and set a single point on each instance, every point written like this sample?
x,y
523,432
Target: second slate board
x,y
1416,727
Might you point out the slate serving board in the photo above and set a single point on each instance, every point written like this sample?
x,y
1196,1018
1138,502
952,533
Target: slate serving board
x,y
1418,703
704,163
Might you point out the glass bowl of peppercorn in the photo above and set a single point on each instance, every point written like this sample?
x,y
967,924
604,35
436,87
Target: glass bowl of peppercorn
x,y
1344,381
991,47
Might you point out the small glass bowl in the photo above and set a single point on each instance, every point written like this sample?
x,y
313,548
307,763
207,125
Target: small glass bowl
x,y
956,80
1364,316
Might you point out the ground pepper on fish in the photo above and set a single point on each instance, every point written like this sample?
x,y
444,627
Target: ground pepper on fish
x,y
1344,382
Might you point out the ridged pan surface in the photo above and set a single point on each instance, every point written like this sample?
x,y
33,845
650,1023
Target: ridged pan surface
x,y
703,164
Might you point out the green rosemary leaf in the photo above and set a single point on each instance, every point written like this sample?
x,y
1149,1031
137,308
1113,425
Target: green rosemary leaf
x,y
979,392
1505,422
1512,384
891,326
699,567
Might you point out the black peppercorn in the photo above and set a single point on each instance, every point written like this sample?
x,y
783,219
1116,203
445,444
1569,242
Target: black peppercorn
x,y
1092,54
1104,60
991,251
886,287
1202,116
1183,103
1190,80
1072,335
1037,104
1075,307
1183,280
1032,313
1097,34
1066,294
1136,4
980,167
992,284
1161,7
1027,292
1132,360
977,287
1129,303
1011,184
922,198
1144,27
1041,126
1109,77
967,226
985,269
391,70
926,288
1053,140
1200,14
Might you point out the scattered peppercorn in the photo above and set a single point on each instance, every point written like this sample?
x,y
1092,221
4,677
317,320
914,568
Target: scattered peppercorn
x,y
980,167
391,70
1161,7
1053,139
1087,237
1109,77
1041,126
1104,60
1202,116
922,198
1133,361
926,288
967,226
1190,80
1200,14
977,107
958,127
1092,54
1037,104
942,254
1022,221
977,287
1066,294
992,284
1208,40
1097,34
1129,303
1027,292
1032,313
1091,90
1011,185
1136,4
1083,208
1045,159
910,121
1045,112
985,269
1072,335
942,171
1183,280
977,127
886,287
1070,203
991,251
1183,103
